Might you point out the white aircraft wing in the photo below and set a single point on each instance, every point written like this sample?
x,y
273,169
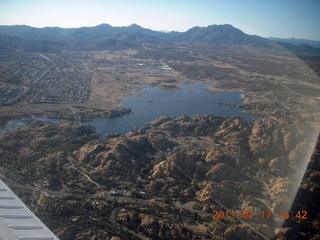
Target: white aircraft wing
x,y
17,222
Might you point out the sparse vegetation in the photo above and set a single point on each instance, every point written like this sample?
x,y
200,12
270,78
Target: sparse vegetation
x,y
163,181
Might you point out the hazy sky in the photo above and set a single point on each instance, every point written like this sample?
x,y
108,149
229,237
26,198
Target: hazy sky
x,y
267,18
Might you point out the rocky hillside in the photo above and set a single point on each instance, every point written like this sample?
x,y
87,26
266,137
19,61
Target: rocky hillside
x,y
160,182
225,34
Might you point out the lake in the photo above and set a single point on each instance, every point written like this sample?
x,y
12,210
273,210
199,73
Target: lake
x,y
152,102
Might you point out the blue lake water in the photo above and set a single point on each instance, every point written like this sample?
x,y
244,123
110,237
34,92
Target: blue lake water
x,y
152,102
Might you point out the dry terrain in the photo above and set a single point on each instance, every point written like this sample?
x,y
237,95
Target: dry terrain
x,y
169,179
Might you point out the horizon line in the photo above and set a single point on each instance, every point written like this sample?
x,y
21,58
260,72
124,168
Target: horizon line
x,y
161,31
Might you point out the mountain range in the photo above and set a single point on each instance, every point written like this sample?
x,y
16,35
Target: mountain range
x,y
298,41
107,37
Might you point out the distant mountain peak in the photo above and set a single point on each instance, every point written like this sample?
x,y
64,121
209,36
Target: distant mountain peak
x,y
103,25
134,25
216,33
224,27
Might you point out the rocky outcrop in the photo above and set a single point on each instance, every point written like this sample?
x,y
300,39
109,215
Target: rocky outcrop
x,y
69,233
131,219
87,114
197,125
265,136
178,169
222,171
120,157
117,112
239,232
159,121
160,142
179,163
217,156
151,226
88,152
